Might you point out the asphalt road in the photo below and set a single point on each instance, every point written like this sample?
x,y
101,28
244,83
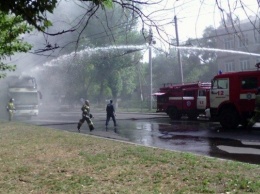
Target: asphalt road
x,y
157,130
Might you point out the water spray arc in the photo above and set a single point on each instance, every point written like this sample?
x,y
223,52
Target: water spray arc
x,y
90,51
129,48
215,50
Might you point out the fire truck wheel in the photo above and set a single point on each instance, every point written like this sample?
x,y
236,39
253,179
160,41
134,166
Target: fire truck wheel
x,y
193,115
244,123
229,119
174,114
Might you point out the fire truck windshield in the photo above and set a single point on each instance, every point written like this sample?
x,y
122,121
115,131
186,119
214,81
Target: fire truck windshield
x,y
25,98
220,84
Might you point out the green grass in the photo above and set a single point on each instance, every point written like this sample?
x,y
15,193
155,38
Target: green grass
x,y
40,160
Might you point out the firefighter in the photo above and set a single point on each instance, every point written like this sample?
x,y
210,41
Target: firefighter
x,y
110,113
86,116
10,108
256,116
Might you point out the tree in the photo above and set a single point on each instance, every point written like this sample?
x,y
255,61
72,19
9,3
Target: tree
x,y
200,65
113,73
165,69
34,12
71,77
10,41
111,64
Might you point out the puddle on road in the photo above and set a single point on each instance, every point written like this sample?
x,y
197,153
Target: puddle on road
x,y
180,126
195,137
187,136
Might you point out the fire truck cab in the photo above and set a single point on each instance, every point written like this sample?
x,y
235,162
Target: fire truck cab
x,y
184,99
232,98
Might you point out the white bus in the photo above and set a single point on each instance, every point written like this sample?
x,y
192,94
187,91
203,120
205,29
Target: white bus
x,y
23,89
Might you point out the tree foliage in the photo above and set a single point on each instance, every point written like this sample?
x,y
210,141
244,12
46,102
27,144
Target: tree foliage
x,y
31,11
113,73
200,65
10,41
165,69
35,11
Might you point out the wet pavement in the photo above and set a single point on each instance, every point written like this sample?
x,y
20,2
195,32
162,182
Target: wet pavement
x,y
157,130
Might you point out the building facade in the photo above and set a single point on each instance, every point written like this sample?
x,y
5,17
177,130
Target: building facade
x,y
243,36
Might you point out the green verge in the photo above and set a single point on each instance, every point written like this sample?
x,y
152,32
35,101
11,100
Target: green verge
x,y
36,159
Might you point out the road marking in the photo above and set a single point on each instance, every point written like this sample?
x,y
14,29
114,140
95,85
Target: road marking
x,y
239,150
250,143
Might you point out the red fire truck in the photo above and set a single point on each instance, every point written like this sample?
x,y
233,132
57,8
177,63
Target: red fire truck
x,y
232,97
183,99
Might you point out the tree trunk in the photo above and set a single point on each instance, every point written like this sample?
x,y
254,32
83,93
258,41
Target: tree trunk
x,y
101,92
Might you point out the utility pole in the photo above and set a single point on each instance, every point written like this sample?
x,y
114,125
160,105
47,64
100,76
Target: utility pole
x,y
151,69
178,51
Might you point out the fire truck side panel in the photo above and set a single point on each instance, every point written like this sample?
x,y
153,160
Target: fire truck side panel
x,y
246,99
202,99
219,92
175,98
190,103
179,100
232,97
189,97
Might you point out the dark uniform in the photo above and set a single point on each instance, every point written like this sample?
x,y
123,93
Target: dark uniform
x,y
10,109
86,116
256,116
110,113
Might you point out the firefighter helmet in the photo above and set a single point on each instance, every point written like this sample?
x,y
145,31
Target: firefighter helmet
x,y
86,102
11,100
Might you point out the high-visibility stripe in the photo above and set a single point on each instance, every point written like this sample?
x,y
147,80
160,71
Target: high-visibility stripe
x,y
247,96
158,94
175,98
181,98
188,98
